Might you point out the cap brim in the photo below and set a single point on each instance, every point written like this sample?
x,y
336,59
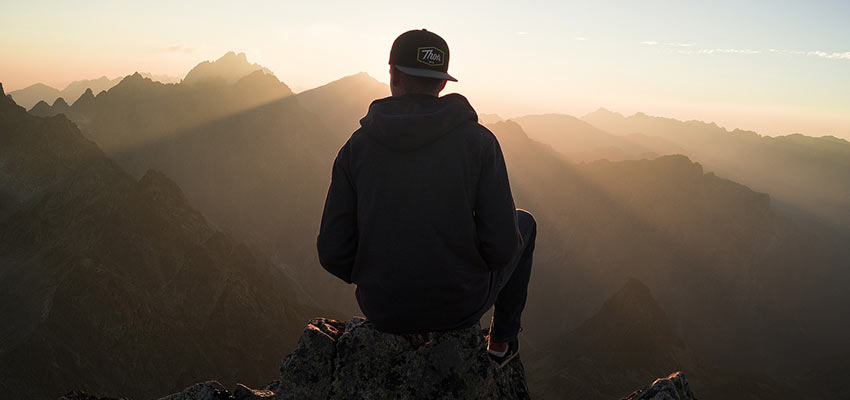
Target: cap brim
x,y
426,73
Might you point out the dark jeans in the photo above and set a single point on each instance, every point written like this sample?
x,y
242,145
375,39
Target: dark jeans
x,y
511,288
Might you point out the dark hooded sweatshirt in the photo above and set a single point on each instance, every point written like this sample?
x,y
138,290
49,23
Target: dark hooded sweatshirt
x,y
419,214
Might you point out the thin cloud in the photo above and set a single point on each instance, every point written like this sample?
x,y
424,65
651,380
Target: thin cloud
x,y
669,44
522,33
179,48
812,53
817,53
580,38
720,51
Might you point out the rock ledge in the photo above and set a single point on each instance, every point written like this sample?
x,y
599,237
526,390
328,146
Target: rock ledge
x,y
353,360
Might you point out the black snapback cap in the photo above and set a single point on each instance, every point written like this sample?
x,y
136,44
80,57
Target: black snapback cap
x,y
421,53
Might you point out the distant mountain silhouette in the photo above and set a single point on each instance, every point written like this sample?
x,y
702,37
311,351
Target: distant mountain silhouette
x,y
139,110
581,142
247,154
42,109
489,118
229,68
348,96
161,78
31,95
748,289
105,279
804,173
85,104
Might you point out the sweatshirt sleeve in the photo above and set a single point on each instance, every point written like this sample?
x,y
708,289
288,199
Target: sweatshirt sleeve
x,y
337,241
495,213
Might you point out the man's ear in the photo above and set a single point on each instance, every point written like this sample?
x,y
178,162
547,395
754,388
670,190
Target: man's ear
x,y
395,80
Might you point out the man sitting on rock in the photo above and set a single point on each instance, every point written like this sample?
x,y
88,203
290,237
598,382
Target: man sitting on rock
x,y
419,214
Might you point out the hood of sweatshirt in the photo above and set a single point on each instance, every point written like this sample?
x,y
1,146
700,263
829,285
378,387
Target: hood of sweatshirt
x,y
406,123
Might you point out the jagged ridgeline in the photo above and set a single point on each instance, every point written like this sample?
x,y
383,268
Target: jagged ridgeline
x,y
39,92
117,285
253,157
751,294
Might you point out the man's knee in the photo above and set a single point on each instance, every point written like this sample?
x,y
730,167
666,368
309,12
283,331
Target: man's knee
x,y
525,220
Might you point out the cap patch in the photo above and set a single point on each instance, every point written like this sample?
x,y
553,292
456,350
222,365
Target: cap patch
x,y
431,56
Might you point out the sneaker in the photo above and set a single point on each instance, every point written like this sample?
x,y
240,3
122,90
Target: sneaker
x,y
513,351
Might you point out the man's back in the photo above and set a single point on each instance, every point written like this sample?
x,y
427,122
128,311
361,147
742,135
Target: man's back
x,y
419,214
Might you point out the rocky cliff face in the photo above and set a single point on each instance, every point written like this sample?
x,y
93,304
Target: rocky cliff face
x,y
352,360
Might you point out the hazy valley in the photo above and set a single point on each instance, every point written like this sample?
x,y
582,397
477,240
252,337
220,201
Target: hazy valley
x,y
144,216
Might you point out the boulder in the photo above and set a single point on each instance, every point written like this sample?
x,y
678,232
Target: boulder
x,y
353,360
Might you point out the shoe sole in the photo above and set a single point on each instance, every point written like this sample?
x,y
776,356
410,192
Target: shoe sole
x,y
507,359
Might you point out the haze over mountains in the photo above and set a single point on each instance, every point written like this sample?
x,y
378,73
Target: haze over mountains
x,y
733,287
106,278
805,174
30,95
722,262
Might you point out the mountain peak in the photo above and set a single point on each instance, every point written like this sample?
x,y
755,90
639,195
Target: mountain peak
x,y
603,112
60,104
509,129
633,324
362,76
85,100
41,86
234,57
40,109
132,83
135,78
157,193
229,68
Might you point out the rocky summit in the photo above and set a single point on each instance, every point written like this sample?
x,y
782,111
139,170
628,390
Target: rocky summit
x,y
336,360
353,360
673,387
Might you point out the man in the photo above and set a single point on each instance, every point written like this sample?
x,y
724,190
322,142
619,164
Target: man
x,y
419,214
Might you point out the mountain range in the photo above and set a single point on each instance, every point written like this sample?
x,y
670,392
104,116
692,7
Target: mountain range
x,y
31,95
803,174
730,270
105,278
747,282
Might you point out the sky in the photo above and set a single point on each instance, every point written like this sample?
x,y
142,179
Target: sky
x,y
775,67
